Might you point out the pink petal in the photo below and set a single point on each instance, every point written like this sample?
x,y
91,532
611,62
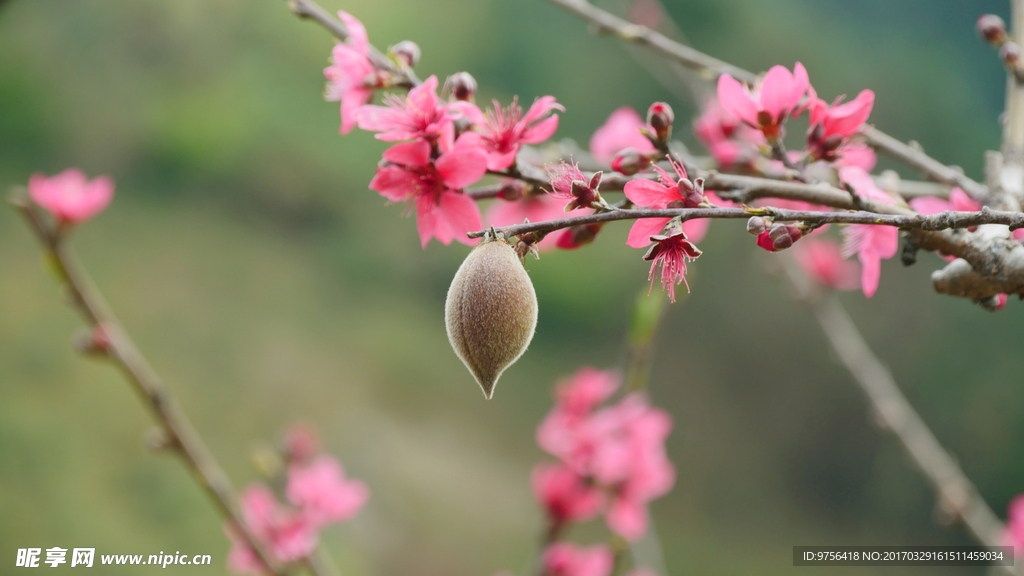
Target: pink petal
x,y
801,85
424,96
351,101
871,273
428,223
541,131
409,153
885,241
777,90
846,119
395,183
627,518
540,107
620,131
460,168
642,230
736,100
644,192
356,31
696,229
374,118
929,205
462,216
470,111
962,202
501,161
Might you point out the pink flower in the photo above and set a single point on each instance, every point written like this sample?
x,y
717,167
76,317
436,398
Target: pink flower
x,y
535,208
323,493
1014,534
421,114
285,534
351,76
565,559
666,193
441,212
70,196
504,130
620,131
822,260
565,495
569,183
620,448
1001,301
1018,234
771,100
729,140
670,254
869,242
840,120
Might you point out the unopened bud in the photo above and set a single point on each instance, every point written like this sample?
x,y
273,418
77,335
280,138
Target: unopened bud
x,y
756,226
267,460
991,28
1009,53
784,235
490,311
407,52
511,190
462,85
578,236
300,443
95,342
157,440
660,117
629,161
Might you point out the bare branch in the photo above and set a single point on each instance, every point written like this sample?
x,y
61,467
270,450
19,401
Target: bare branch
x,y
182,436
957,494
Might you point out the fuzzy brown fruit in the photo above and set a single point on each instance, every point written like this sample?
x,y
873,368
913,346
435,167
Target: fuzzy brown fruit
x,y
491,311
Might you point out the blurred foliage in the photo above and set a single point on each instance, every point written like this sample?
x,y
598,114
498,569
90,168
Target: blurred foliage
x,y
268,285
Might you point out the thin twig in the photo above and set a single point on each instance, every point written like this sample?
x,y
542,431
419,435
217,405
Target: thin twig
x,y
934,222
181,435
607,23
956,492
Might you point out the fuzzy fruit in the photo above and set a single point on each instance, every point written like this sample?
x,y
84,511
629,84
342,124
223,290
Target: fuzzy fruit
x,y
491,311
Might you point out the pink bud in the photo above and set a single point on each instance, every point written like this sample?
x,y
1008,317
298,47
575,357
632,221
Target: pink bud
x,y
407,52
630,161
660,117
1009,53
462,85
756,225
991,28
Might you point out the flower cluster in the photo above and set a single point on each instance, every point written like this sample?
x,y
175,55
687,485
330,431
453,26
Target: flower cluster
x,y
318,494
611,459
70,196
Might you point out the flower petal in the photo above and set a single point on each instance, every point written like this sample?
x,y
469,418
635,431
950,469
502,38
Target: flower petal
x,y
541,131
648,193
642,230
461,167
409,153
736,100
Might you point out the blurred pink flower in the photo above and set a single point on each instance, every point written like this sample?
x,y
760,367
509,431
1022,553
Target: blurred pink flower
x,y
565,559
840,120
300,443
70,196
871,243
1001,301
412,175
1018,234
351,76
1014,533
670,254
535,208
504,130
822,260
729,140
958,201
620,447
773,98
322,492
286,534
620,131
858,155
421,114
565,495
665,193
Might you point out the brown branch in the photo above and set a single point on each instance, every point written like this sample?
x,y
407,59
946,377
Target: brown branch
x,y
957,494
934,222
607,23
181,435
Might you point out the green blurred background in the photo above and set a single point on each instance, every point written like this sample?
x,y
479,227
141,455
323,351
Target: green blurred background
x,y
268,285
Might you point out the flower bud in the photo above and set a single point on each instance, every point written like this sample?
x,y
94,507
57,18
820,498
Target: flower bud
x,y
407,52
490,312
93,343
783,236
756,226
1009,53
660,117
462,85
629,161
991,28
511,190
